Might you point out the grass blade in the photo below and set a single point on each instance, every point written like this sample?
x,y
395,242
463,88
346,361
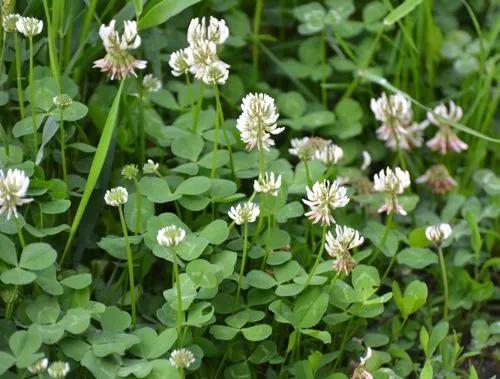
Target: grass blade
x,y
400,11
96,167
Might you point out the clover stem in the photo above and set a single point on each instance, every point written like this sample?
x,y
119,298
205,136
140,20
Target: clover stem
x,y
243,262
445,281
20,233
198,107
220,115
32,97
130,264
308,173
20,91
178,294
138,220
318,258
63,147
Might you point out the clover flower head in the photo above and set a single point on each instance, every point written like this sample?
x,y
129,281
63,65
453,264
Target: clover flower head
x,y
29,26
307,148
118,62
216,73
179,62
58,370
392,183
13,188
330,154
181,358
150,167
367,160
438,179
116,197
257,122
170,236
130,171
268,184
200,57
339,246
323,198
361,372
216,31
244,213
62,101
39,366
445,139
9,22
151,83
438,233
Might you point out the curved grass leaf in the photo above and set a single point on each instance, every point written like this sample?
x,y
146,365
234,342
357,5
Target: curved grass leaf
x,y
402,10
385,83
162,11
96,167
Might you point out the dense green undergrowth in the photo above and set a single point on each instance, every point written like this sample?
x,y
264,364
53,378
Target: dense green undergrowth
x,y
281,189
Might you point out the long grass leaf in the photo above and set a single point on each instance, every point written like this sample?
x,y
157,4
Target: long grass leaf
x,y
385,83
96,167
400,11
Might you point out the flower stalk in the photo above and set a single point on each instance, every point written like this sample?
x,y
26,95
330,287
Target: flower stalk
x,y
130,264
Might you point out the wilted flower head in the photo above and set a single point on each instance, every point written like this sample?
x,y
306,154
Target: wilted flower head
x,y
150,167
445,139
151,83
361,372
170,236
116,196
62,101
367,160
306,148
244,213
438,233
438,179
130,171
58,370
9,22
323,198
13,188
329,154
179,62
216,73
181,358
393,183
216,31
118,62
268,184
39,366
339,247
29,26
257,121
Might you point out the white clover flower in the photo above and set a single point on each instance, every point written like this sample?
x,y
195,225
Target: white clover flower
x,y
58,370
150,167
244,213
438,233
307,148
216,73
151,83
445,139
118,62
395,114
367,160
116,196
9,22
330,154
268,184
438,179
339,247
39,366
170,236
62,101
13,188
181,358
179,62
361,372
29,26
257,121
323,198
216,32
392,183
200,57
